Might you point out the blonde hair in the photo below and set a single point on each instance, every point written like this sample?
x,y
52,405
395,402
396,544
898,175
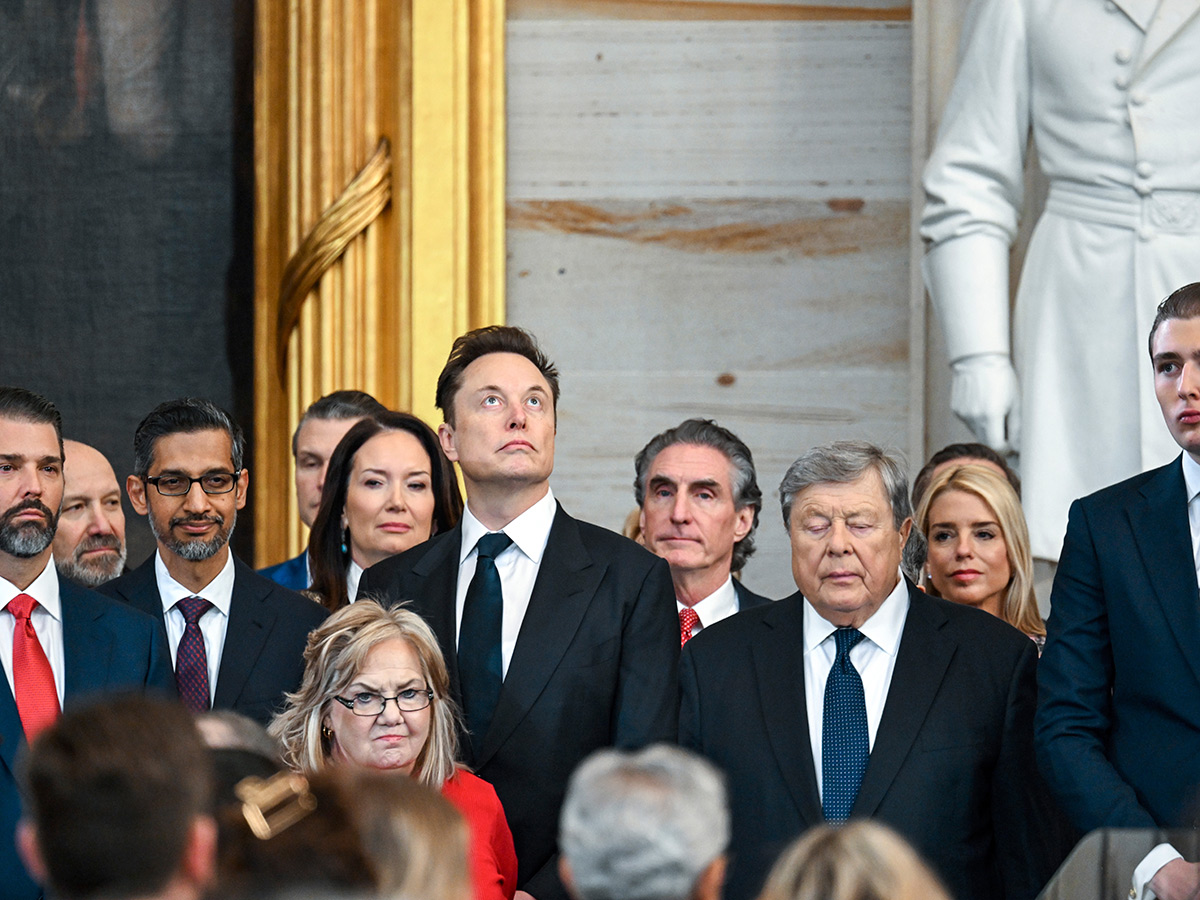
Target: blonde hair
x,y
859,861
333,659
415,837
1019,607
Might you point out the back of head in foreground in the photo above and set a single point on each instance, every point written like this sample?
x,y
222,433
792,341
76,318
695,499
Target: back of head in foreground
x,y
862,860
117,800
646,825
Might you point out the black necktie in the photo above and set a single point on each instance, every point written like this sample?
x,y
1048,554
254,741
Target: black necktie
x,y
479,662
845,743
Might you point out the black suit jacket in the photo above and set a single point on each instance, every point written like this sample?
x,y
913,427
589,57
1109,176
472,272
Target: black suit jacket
x,y
747,598
1118,725
268,628
594,666
951,767
106,647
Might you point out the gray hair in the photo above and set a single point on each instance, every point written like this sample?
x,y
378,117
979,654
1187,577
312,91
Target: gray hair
x,y
643,825
840,463
340,406
707,433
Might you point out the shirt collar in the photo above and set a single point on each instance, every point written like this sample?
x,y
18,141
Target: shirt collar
x,y
883,628
718,605
529,531
1191,476
43,589
353,577
218,592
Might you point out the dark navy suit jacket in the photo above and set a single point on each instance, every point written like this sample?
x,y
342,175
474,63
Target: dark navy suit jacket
x,y
291,573
1118,724
268,629
746,598
107,647
951,769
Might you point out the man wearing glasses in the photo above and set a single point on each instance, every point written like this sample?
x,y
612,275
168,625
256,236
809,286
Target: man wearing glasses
x,y
237,639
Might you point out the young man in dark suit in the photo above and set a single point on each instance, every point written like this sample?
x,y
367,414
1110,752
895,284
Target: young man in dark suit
x,y
699,499
237,639
861,696
560,636
1118,724
58,642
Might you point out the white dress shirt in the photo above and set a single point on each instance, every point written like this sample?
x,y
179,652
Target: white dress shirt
x,y
353,577
874,658
47,623
517,566
213,624
1164,853
720,604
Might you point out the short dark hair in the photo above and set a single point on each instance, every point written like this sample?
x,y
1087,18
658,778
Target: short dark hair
x,y
339,406
707,433
21,405
481,342
967,450
184,416
326,559
1183,303
113,790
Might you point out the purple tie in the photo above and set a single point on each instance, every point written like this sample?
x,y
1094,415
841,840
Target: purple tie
x,y
191,662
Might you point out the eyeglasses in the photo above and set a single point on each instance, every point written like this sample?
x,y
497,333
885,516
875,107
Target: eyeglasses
x,y
178,485
367,703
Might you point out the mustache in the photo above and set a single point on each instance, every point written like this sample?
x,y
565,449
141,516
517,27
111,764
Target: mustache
x,y
197,520
32,503
98,542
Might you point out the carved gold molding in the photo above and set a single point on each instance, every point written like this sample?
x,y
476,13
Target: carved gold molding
x,y
369,262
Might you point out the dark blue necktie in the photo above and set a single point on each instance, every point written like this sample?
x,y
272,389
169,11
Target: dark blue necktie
x,y
480,669
845,745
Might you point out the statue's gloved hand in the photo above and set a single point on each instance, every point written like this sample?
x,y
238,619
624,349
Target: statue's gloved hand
x,y
984,395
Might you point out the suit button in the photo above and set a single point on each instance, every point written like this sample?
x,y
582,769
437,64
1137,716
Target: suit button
x,y
1145,233
1145,169
1142,187
1121,81
1123,56
1137,98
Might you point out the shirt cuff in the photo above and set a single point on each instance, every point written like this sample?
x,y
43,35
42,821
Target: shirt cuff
x,y
1148,868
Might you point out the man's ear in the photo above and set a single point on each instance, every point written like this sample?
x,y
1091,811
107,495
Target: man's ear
x,y
745,521
446,439
905,528
30,851
243,486
136,489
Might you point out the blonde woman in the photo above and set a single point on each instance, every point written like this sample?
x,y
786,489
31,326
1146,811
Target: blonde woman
x,y
979,546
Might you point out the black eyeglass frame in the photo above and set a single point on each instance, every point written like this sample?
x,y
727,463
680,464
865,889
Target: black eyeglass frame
x,y
156,479
349,704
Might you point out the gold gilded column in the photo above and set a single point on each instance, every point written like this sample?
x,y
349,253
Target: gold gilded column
x,y
379,218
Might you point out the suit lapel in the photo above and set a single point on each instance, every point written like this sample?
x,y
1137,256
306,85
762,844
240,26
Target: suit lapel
x,y
12,733
1140,12
1167,21
87,649
566,582
921,664
434,596
140,590
250,622
1163,538
779,671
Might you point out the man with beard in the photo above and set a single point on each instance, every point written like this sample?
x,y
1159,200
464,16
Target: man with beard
x,y
58,641
237,639
89,546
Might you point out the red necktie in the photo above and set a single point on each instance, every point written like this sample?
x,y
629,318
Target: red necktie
x,y
687,621
33,680
191,662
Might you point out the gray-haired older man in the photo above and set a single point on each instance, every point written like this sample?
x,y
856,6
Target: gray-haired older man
x,y
649,825
699,500
860,696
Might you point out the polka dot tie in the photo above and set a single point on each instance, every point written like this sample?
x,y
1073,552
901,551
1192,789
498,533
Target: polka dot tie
x,y
688,620
191,662
33,680
845,745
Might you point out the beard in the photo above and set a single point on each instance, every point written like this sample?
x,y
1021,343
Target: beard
x,y
26,540
195,550
94,572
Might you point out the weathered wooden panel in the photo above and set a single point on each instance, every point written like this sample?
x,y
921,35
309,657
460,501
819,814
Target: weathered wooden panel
x,y
785,321
604,109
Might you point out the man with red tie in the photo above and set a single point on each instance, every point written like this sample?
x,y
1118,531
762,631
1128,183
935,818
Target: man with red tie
x,y
58,642
700,501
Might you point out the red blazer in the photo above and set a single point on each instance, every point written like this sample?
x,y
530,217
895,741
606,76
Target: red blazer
x,y
493,859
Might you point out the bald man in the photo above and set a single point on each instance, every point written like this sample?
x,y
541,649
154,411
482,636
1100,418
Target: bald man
x,y
89,546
